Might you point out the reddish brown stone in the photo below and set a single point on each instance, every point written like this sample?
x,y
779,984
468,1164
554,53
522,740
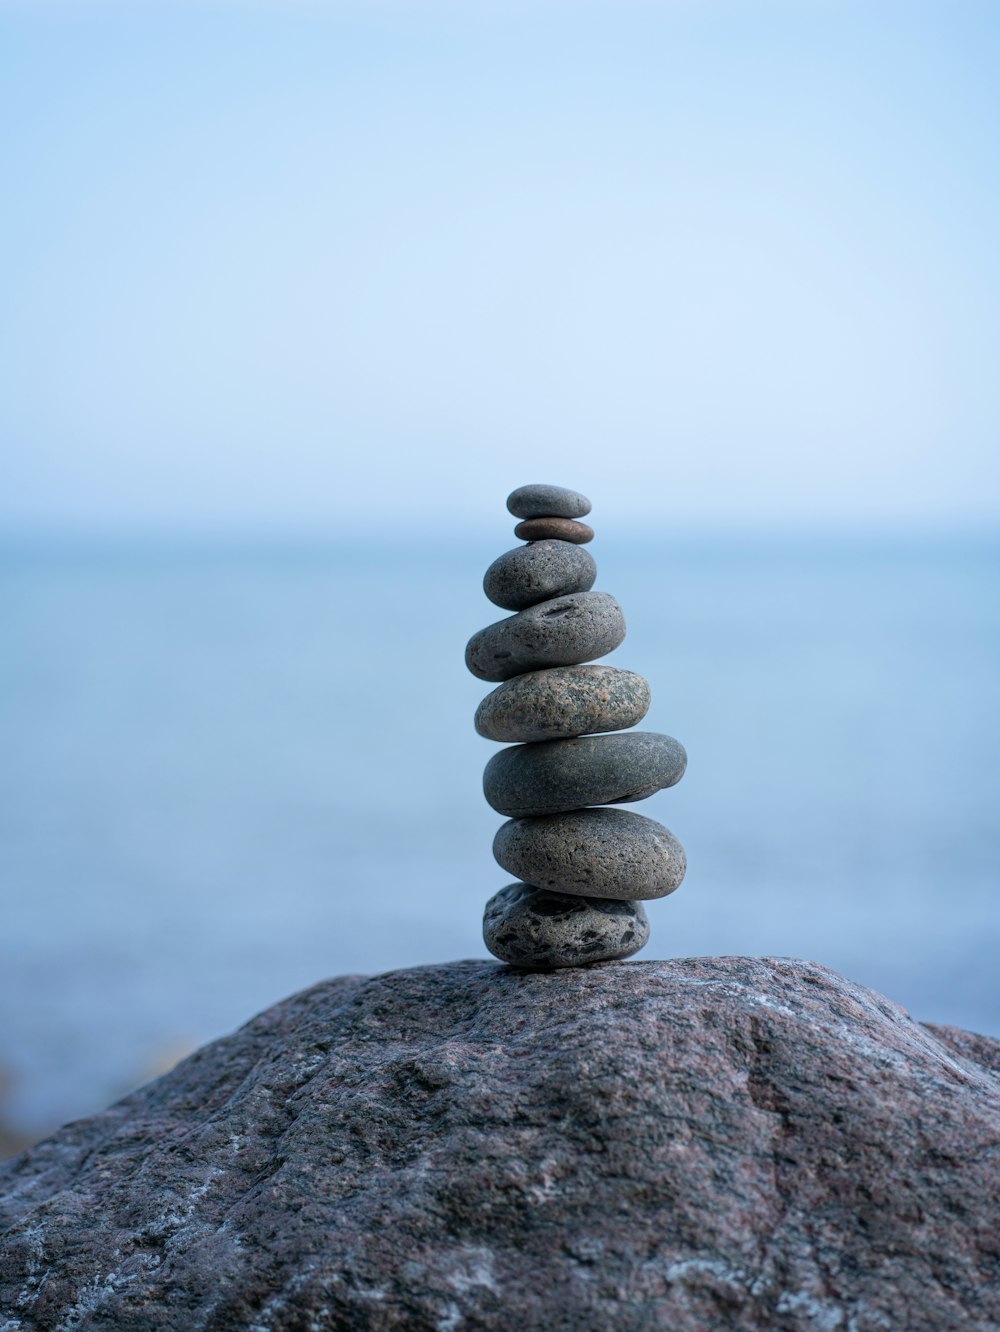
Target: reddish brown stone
x,y
702,1145
554,529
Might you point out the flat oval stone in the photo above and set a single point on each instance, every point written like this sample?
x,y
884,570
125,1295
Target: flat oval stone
x,y
561,632
563,702
593,853
538,572
560,775
554,529
547,502
531,927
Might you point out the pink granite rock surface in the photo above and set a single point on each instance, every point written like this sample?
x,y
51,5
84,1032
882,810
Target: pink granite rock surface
x,y
697,1144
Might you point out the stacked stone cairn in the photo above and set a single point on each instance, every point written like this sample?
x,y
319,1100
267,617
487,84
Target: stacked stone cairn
x,y
584,869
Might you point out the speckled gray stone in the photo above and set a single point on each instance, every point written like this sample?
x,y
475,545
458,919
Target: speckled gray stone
x,y
555,529
563,702
561,632
593,852
526,575
531,927
547,502
560,775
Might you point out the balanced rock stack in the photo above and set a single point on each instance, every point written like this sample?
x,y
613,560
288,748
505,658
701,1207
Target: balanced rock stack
x,y
583,869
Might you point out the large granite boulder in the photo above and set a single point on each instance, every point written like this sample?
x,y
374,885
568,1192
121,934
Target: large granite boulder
x,y
696,1144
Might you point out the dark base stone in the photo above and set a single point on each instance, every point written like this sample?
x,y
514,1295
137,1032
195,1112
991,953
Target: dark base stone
x,y
530,927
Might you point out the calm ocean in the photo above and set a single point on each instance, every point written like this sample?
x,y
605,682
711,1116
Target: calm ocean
x,y
229,774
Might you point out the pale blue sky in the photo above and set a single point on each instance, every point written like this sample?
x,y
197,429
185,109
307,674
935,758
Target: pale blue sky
x,y
286,265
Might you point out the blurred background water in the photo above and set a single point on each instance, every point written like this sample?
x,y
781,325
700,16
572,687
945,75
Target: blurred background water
x,y
231,771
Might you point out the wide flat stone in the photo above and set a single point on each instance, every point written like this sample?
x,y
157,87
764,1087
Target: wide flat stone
x,y
538,572
561,632
558,775
531,927
594,852
562,702
541,501
557,529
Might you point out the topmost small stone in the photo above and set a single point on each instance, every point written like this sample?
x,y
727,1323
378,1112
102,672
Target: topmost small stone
x,y
547,502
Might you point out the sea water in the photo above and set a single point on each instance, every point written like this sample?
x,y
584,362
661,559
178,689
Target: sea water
x,y
230,772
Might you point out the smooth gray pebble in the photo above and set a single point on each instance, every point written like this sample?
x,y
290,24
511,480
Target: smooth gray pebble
x,y
526,575
593,852
563,702
562,632
541,501
561,775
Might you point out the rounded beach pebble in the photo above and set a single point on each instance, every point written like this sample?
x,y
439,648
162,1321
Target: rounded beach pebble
x,y
531,927
538,572
592,852
563,702
554,529
547,502
560,775
561,632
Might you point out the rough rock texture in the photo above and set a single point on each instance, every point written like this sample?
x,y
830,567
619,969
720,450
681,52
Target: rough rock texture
x,y
554,529
709,1143
596,852
538,572
562,702
541,501
561,775
531,927
561,632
